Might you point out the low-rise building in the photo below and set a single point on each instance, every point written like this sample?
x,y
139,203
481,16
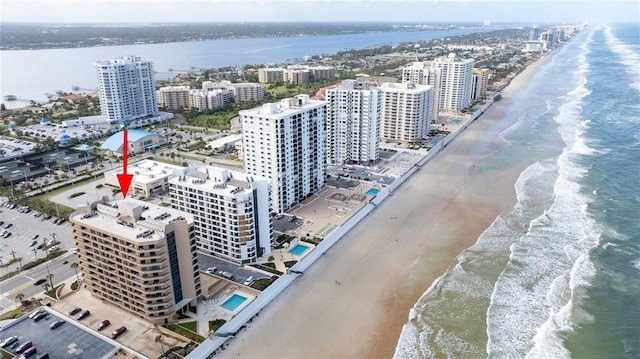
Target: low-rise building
x,y
149,177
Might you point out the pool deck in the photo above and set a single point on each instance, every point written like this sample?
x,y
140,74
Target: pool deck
x,y
219,291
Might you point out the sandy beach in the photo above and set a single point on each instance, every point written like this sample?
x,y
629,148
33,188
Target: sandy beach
x,y
387,262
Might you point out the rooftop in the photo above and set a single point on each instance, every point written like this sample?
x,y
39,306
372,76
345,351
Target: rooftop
x,y
129,218
147,171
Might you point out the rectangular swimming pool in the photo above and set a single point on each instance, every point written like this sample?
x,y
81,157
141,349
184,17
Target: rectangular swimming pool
x,y
372,192
298,250
233,302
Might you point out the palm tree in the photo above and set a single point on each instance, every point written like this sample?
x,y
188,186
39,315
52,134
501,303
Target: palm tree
x,y
20,261
74,265
35,251
20,297
13,253
46,287
50,277
160,339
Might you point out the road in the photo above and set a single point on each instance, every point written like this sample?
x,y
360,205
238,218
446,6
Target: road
x,y
23,283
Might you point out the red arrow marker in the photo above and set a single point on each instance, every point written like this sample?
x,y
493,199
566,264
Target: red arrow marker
x,y
124,179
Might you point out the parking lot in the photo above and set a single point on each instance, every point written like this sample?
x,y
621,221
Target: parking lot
x,y
67,341
140,335
25,229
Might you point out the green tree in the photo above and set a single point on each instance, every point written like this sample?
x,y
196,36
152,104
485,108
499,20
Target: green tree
x,y
74,265
20,297
50,278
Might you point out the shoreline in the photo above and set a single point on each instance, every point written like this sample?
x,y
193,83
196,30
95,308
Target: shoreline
x,y
388,261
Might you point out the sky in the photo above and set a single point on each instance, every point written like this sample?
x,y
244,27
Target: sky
x,y
177,11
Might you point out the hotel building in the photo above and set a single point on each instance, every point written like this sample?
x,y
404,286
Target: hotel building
x,y
406,111
138,256
286,143
353,123
127,89
230,210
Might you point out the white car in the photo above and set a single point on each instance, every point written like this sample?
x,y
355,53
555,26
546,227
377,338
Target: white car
x,y
249,281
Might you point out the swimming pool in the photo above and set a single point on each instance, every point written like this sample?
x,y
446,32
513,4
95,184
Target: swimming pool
x,y
233,302
298,250
372,192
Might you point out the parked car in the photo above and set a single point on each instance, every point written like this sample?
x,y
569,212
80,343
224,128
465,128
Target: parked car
x,y
249,281
116,333
39,281
8,225
211,270
40,316
74,310
7,342
84,315
24,346
56,324
33,243
103,324
36,312
29,352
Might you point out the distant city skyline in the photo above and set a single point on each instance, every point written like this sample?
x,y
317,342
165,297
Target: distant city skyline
x,y
175,11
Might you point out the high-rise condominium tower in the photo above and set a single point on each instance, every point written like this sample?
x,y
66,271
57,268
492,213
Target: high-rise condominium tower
x,y
286,143
353,123
406,111
138,256
127,89
230,211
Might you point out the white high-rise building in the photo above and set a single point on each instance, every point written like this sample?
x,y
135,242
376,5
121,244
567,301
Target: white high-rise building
x,y
452,79
230,210
127,89
286,143
421,73
456,77
353,123
406,111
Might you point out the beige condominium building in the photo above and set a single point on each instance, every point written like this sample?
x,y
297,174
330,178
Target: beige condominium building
x,y
138,256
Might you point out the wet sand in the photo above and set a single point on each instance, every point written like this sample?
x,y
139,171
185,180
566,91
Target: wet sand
x,y
388,261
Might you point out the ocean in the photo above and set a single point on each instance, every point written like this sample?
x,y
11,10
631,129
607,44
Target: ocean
x,y
558,275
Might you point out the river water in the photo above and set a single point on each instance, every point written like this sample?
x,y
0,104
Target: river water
x,y
31,74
